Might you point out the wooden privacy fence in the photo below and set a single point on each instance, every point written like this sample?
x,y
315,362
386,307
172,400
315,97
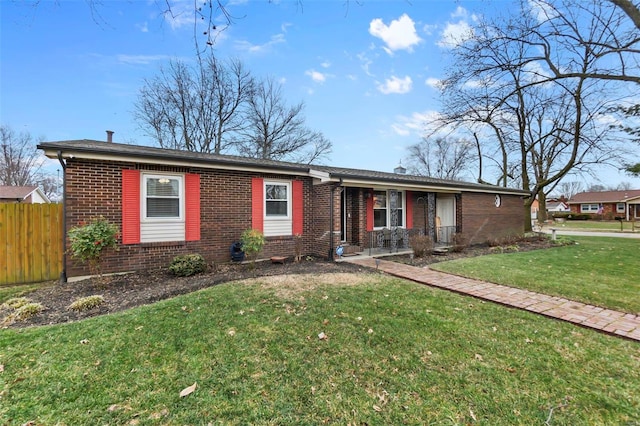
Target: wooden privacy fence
x,y
30,242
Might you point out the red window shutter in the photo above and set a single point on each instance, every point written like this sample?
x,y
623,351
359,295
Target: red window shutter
x,y
298,208
192,207
257,204
409,212
369,195
130,206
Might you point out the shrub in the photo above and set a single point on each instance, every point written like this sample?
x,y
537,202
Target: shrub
x,y
89,241
460,242
252,242
421,245
16,302
26,311
86,303
187,264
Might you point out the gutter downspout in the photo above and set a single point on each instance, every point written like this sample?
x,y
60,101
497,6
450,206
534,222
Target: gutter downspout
x,y
63,274
331,221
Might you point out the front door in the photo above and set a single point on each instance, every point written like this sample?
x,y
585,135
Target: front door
x,y
445,217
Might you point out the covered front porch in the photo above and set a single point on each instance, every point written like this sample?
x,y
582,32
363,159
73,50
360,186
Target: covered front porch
x,y
378,221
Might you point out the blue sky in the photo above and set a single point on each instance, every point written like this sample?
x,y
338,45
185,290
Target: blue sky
x,y
366,72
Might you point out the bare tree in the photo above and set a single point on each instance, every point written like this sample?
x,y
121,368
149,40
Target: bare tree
x,y
570,188
21,163
538,81
196,108
277,131
624,186
630,9
441,158
597,187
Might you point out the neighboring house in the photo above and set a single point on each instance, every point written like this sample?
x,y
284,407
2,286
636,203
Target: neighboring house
x,y
557,206
22,194
608,204
535,207
170,202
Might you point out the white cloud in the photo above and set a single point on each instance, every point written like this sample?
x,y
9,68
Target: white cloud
x,y
413,124
325,64
261,48
180,14
144,27
535,73
435,83
284,27
460,12
428,29
400,34
316,76
365,62
541,10
396,85
141,59
457,33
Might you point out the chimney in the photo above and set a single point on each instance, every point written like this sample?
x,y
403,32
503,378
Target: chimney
x,y
110,136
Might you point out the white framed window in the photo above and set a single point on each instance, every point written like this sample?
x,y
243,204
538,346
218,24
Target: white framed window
x,y
620,207
277,200
589,208
382,209
278,217
162,197
162,211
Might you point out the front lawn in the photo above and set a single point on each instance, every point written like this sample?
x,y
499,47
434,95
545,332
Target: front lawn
x,y
597,270
324,349
595,225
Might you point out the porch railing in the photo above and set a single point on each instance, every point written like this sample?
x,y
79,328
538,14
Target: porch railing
x,y
393,240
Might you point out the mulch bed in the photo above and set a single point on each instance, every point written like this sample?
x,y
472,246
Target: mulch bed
x,y
126,291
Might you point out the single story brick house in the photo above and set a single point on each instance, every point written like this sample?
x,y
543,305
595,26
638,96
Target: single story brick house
x,y
608,204
170,202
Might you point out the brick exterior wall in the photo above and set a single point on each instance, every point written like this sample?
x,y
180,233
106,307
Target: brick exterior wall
x,y
321,222
94,189
483,221
609,211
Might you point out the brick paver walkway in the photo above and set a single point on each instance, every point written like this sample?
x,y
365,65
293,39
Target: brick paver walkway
x,y
606,320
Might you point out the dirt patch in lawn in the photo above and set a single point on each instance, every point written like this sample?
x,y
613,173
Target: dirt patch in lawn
x,y
121,292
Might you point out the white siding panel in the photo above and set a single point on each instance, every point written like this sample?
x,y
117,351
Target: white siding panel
x,y
154,232
273,228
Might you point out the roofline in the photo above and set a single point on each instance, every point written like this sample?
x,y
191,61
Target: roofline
x,y
145,158
154,155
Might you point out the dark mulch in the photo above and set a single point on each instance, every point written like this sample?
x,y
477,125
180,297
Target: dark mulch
x,y
123,292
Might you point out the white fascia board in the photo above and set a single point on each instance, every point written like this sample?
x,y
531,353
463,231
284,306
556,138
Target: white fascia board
x,y
323,177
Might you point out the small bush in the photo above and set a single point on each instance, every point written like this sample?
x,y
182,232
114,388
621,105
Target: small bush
x,y
86,303
252,242
460,242
421,245
16,302
89,241
27,311
187,265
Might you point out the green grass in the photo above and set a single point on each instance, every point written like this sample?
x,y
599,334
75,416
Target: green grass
x,y
596,225
597,270
397,353
9,292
